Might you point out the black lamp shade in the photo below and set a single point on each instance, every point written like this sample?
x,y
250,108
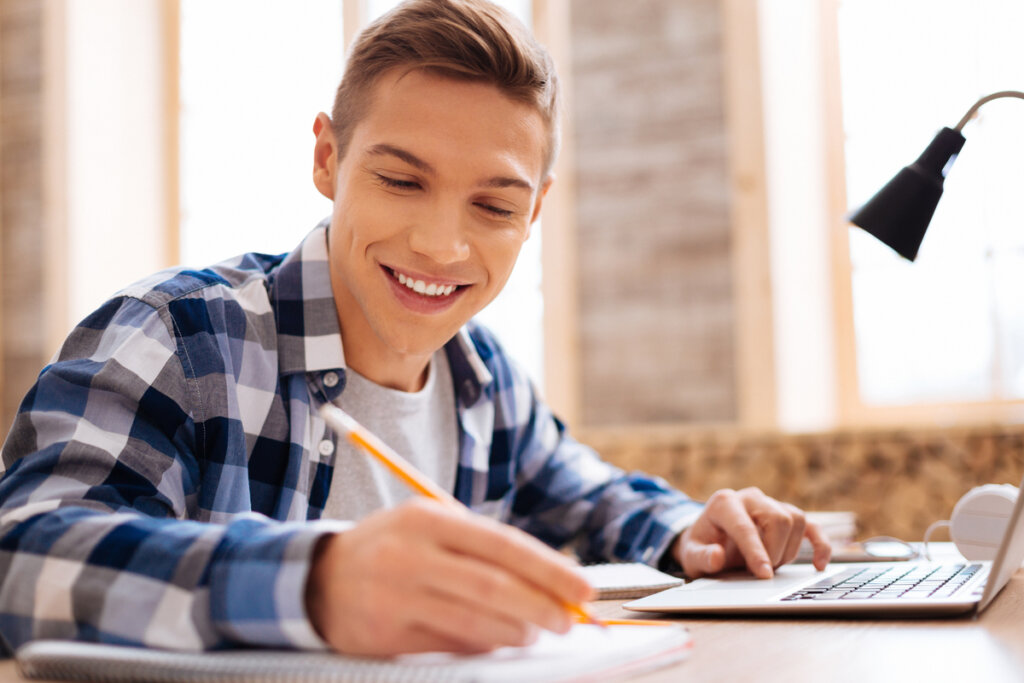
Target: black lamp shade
x,y
899,213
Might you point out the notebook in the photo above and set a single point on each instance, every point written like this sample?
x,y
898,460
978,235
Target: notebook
x,y
620,580
586,652
877,588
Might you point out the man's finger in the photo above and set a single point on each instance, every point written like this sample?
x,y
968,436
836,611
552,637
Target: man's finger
x,y
775,522
702,558
475,628
796,534
494,590
822,548
523,555
729,514
505,547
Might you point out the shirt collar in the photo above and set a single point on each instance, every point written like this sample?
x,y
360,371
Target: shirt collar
x,y
469,372
308,335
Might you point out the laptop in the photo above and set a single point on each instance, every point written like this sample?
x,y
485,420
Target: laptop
x,y
875,588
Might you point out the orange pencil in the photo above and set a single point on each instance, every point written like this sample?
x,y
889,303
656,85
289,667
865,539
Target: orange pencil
x,y
638,622
342,422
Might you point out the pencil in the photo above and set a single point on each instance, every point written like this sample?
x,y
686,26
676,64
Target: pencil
x,y
637,622
399,466
343,423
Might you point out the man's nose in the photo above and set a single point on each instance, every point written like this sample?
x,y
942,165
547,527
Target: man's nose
x,y
441,234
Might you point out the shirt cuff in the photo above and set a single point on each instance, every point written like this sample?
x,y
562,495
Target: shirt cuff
x,y
659,551
302,633
258,582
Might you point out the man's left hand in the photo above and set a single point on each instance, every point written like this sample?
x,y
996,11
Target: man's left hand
x,y
747,528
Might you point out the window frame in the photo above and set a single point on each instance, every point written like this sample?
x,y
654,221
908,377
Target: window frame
x,y
851,408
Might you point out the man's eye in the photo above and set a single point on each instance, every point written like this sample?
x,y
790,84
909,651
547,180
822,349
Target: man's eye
x,y
501,213
396,183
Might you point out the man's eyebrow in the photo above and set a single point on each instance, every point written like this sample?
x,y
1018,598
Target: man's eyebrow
x,y
384,149
406,156
502,181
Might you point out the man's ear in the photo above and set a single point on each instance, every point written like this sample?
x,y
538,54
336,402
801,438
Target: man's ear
x,y
325,156
540,198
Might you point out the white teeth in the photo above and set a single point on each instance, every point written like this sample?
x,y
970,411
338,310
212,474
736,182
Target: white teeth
x,y
420,287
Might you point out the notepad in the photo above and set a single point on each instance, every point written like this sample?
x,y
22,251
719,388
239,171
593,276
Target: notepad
x,y
627,580
586,651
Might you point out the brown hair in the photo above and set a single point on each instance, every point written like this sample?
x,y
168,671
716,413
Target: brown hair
x,y
464,39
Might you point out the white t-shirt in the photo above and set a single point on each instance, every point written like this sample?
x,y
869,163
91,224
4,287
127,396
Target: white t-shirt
x,y
420,426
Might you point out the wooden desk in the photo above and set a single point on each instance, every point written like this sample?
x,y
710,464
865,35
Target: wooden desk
x,y
988,648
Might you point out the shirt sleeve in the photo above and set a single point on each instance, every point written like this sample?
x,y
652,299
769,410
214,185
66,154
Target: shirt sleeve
x,y
101,535
564,493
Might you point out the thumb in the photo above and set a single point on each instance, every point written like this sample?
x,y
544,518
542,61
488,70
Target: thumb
x,y
703,558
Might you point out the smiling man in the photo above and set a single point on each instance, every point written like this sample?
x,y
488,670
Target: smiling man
x,y
433,199
169,482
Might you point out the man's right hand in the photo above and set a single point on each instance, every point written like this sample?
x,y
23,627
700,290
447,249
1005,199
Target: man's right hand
x,y
424,577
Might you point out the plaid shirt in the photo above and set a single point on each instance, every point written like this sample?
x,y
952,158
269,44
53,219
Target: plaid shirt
x,y
166,474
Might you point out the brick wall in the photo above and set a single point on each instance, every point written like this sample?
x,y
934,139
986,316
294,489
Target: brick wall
x,y
656,311
21,202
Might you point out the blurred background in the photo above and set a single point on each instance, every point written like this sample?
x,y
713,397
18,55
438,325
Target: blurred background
x,y
693,301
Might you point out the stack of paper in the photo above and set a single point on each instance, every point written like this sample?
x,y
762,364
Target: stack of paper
x,y
839,527
627,580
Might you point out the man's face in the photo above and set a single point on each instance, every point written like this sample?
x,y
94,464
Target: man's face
x,y
433,200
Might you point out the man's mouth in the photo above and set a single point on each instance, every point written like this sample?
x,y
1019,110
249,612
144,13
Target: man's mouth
x,y
434,289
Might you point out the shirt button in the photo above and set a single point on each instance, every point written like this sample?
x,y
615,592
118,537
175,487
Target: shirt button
x,y
326,447
330,379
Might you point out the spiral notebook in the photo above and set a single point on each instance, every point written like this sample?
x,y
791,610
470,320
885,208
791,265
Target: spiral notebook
x,y
586,652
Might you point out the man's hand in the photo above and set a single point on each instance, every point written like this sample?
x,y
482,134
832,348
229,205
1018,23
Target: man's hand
x,y
747,528
424,577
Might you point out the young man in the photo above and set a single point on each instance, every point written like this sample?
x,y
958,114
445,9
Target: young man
x,y
170,484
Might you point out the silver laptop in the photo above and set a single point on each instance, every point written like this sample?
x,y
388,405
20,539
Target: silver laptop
x,y
877,588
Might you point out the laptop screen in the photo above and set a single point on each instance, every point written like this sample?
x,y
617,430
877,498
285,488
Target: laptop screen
x,y
1010,555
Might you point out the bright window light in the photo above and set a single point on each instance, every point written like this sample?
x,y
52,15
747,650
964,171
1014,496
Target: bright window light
x,y
950,327
254,75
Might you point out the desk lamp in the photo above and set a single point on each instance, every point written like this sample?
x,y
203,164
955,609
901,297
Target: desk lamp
x,y
899,213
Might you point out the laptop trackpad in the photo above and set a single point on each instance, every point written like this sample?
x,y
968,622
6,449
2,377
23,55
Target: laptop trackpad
x,y
785,577
735,588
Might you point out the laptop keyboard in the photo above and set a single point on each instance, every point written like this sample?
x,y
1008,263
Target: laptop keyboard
x,y
903,582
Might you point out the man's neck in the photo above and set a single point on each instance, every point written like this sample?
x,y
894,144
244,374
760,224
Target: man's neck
x,y
391,370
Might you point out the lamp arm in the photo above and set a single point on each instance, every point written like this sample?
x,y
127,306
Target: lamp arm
x,y
987,98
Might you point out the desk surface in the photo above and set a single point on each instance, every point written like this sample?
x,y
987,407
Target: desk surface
x,y
988,648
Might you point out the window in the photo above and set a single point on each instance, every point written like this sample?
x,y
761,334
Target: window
x,y
853,91
249,93
950,327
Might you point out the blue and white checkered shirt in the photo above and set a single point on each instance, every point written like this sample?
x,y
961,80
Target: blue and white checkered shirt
x,y
166,475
